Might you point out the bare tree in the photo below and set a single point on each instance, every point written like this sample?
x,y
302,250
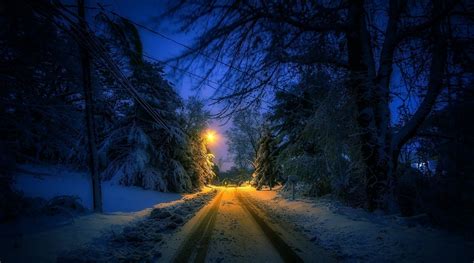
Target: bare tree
x,y
261,44
243,138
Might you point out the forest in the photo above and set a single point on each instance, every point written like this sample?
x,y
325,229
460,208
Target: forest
x,y
365,103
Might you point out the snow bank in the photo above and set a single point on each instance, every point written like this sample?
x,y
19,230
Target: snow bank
x,y
141,241
50,181
355,235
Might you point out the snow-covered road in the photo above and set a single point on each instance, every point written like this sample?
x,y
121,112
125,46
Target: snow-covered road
x,y
232,229
245,225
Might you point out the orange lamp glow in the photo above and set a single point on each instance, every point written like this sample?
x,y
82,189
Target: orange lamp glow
x,y
210,136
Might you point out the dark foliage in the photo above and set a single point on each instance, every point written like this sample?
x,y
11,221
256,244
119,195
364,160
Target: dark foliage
x,y
42,104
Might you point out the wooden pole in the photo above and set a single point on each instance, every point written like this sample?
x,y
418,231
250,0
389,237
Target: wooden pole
x,y
89,112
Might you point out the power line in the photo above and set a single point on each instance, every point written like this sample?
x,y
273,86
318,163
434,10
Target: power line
x,y
230,66
99,51
173,40
178,43
97,46
185,71
192,74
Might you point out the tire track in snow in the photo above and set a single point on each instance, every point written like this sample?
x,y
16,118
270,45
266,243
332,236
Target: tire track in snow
x,y
286,252
197,243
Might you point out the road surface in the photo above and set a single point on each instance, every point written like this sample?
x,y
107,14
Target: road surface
x,y
232,228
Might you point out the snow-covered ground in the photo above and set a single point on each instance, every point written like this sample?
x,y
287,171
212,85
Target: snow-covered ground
x,y
51,181
352,235
355,235
141,241
44,245
42,239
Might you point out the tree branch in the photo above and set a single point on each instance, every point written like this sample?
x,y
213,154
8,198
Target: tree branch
x,y
437,67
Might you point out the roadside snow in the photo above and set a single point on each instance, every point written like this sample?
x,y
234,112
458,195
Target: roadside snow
x,y
355,235
141,241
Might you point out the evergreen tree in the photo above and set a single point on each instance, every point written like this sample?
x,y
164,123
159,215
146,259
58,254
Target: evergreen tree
x,y
142,152
444,191
265,166
199,161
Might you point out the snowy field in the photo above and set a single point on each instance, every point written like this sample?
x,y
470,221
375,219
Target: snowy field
x,y
355,235
51,181
42,239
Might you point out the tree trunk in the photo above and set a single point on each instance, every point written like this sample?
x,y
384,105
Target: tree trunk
x,y
380,147
89,112
362,85
388,157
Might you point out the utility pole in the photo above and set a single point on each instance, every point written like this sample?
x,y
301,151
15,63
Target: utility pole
x,y
89,111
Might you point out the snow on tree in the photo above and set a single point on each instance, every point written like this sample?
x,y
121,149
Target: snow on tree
x,y
265,166
202,162
315,121
170,158
142,152
198,159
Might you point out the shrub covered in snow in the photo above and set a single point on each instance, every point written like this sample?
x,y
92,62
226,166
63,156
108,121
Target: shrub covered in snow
x,y
64,204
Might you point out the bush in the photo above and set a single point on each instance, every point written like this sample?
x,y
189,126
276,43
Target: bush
x,y
64,204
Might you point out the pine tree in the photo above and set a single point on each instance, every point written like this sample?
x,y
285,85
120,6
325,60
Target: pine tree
x,y
140,151
198,159
265,167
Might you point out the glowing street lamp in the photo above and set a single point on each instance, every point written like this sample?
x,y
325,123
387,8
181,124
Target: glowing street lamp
x,y
210,136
